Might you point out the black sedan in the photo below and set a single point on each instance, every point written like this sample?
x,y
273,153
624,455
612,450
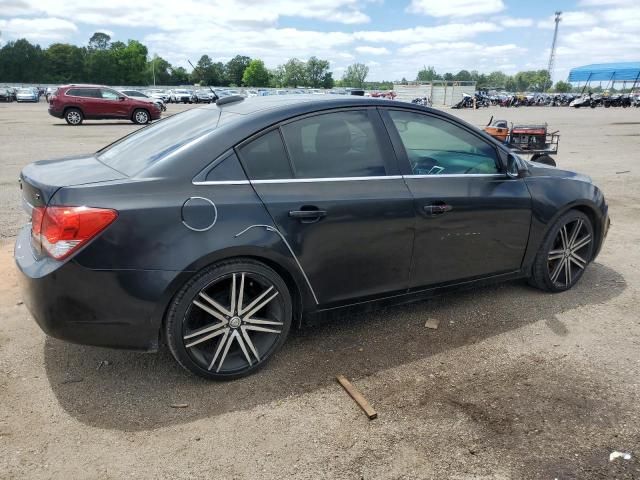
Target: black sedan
x,y
218,229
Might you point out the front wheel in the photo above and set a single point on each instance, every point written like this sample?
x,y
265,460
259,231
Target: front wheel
x,y
141,117
229,320
565,253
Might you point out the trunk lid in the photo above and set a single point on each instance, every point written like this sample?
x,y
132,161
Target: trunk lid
x,y
39,181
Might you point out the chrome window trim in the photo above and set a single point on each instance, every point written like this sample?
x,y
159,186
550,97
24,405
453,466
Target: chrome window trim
x,y
298,180
328,179
221,182
450,175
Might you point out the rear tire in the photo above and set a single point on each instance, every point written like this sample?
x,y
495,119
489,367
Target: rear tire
x,y
73,116
140,116
221,335
545,159
564,254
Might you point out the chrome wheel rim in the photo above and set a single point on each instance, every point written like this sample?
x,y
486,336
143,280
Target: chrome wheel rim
x,y
233,323
142,117
73,117
570,253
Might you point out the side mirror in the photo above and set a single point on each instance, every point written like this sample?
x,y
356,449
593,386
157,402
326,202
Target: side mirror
x,y
121,98
514,169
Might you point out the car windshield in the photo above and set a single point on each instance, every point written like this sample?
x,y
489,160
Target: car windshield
x,y
181,91
25,90
141,149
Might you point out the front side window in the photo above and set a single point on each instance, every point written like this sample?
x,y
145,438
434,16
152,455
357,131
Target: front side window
x,y
334,145
265,158
438,147
109,94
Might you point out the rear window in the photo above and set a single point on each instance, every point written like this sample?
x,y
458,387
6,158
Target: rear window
x,y
138,151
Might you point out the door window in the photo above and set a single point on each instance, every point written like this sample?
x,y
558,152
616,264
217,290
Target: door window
x,y
265,158
340,144
438,147
109,95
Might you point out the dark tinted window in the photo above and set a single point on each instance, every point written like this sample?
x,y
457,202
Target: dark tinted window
x,y
438,147
144,147
227,169
265,158
340,144
84,92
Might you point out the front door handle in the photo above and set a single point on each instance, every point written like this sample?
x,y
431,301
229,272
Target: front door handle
x,y
437,208
308,215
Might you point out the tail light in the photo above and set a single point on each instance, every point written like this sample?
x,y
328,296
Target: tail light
x,y
61,230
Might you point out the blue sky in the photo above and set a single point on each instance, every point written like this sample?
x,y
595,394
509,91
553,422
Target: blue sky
x,y
394,38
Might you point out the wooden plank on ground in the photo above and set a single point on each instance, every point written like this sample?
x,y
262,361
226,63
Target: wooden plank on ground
x,y
357,396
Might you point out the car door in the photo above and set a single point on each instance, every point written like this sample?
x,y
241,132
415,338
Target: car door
x,y
472,220
330,182
111,105
84,98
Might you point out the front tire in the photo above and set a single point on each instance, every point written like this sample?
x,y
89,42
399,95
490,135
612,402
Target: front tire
x,y
564,254
229,319
140,116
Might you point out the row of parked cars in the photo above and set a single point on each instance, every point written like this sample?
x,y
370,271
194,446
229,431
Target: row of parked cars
x,y
27,94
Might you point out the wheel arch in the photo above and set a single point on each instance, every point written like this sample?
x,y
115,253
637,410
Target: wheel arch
x,y
301,298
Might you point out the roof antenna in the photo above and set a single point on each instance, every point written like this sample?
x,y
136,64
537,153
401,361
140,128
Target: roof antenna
x,y
215,95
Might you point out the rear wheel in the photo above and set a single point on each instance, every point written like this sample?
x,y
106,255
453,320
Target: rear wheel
x,y
73,116
565,253
229,319
544,158
140,116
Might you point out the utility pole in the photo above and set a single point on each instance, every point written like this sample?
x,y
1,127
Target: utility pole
x,y
552,55
153,69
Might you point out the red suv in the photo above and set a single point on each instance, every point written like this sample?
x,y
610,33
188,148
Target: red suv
x,y
74,103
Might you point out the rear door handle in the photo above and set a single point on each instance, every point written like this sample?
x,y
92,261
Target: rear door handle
x,y
309,215
437,208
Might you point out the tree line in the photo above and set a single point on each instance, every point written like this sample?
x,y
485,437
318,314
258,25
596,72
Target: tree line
x,y
527,81
117,63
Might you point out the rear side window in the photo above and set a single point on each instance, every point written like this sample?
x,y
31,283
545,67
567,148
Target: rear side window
x,y
265,158
84,92
339,144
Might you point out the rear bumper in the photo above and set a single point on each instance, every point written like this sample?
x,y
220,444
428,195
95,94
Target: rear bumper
x,y
110,308
55,113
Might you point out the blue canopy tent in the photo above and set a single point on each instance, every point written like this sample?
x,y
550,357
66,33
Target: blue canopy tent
x,y
609,72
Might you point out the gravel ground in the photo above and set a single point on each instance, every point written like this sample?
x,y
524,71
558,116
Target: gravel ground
x,y
514,384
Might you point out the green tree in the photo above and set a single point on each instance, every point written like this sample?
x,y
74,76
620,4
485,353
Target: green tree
x,y
159,68
21,61
316,71
327,80
132,63
256,74
496,79
65,63
510,84
235,68
295,73
179,76
562,87
99,41
355,75
428,74
463,76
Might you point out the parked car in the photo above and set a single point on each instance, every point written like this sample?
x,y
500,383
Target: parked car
x,y
6,94
144,98
181,96
220,228
76,103
27,95
163,95
48,92
203,96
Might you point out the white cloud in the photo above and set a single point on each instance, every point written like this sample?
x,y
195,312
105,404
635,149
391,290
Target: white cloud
x,y
455,8
516,22
607,3
373,50
38,29
443,33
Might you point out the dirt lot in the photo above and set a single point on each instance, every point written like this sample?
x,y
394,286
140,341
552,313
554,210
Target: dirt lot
x,y
514,384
